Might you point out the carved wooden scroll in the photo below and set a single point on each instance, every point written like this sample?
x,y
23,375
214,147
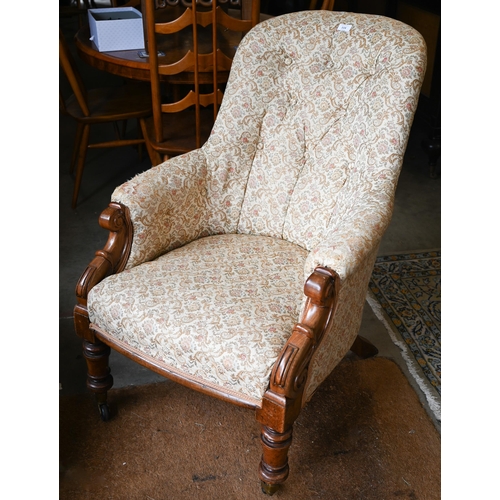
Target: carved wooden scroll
x,y
110,260
282,402
113,257
290,371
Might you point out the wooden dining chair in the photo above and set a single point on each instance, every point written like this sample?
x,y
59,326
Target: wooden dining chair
x,y
98,106
183,123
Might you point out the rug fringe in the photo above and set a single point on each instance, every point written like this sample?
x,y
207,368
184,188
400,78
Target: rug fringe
x,y
413,367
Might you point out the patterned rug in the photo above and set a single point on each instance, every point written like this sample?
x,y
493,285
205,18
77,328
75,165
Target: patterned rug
x,y
405,294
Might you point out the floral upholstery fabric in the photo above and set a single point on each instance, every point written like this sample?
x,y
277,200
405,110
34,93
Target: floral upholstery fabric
x,y
219,309
307,148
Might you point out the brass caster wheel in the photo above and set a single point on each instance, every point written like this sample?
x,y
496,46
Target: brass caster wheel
x,y
269,489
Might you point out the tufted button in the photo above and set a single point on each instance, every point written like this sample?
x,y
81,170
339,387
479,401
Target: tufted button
x,y
288,60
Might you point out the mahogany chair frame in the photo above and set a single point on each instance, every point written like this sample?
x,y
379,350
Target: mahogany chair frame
x,y
283,399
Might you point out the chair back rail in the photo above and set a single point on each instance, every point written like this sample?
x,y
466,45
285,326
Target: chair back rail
x,y
196,14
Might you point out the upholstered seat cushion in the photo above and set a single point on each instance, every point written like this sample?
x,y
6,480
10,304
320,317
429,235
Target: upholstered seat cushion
x,y
217,310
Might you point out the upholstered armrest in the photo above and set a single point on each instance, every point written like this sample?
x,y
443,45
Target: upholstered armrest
x,y
167,206
355,239
349,249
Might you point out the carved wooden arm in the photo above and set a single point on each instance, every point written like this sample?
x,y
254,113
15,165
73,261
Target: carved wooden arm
x,y
290,371
282,402
110,260
113,257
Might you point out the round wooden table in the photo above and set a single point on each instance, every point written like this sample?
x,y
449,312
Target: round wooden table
x,y
129,64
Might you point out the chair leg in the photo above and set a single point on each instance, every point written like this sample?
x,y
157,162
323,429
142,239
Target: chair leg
x,y
277,416
76,148
139,136
273,469
153,155
82,153
363,348
99,379
117,131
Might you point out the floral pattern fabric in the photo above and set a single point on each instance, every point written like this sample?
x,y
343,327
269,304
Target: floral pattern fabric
x,y
219,309
307,148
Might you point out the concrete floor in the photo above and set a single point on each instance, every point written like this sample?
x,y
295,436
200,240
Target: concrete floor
x,y
415,226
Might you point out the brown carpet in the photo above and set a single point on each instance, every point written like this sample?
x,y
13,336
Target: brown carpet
x,y
364,435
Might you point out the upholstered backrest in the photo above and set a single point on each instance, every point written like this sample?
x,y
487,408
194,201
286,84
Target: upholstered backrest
x,y
311,133
315,118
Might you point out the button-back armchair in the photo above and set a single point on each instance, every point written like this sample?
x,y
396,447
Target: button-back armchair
x,y
240,269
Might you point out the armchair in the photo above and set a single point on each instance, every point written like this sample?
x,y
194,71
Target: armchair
x,y
240,269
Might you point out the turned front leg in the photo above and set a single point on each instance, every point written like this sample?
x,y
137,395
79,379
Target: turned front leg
x,y
274,468
282,402
99,379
